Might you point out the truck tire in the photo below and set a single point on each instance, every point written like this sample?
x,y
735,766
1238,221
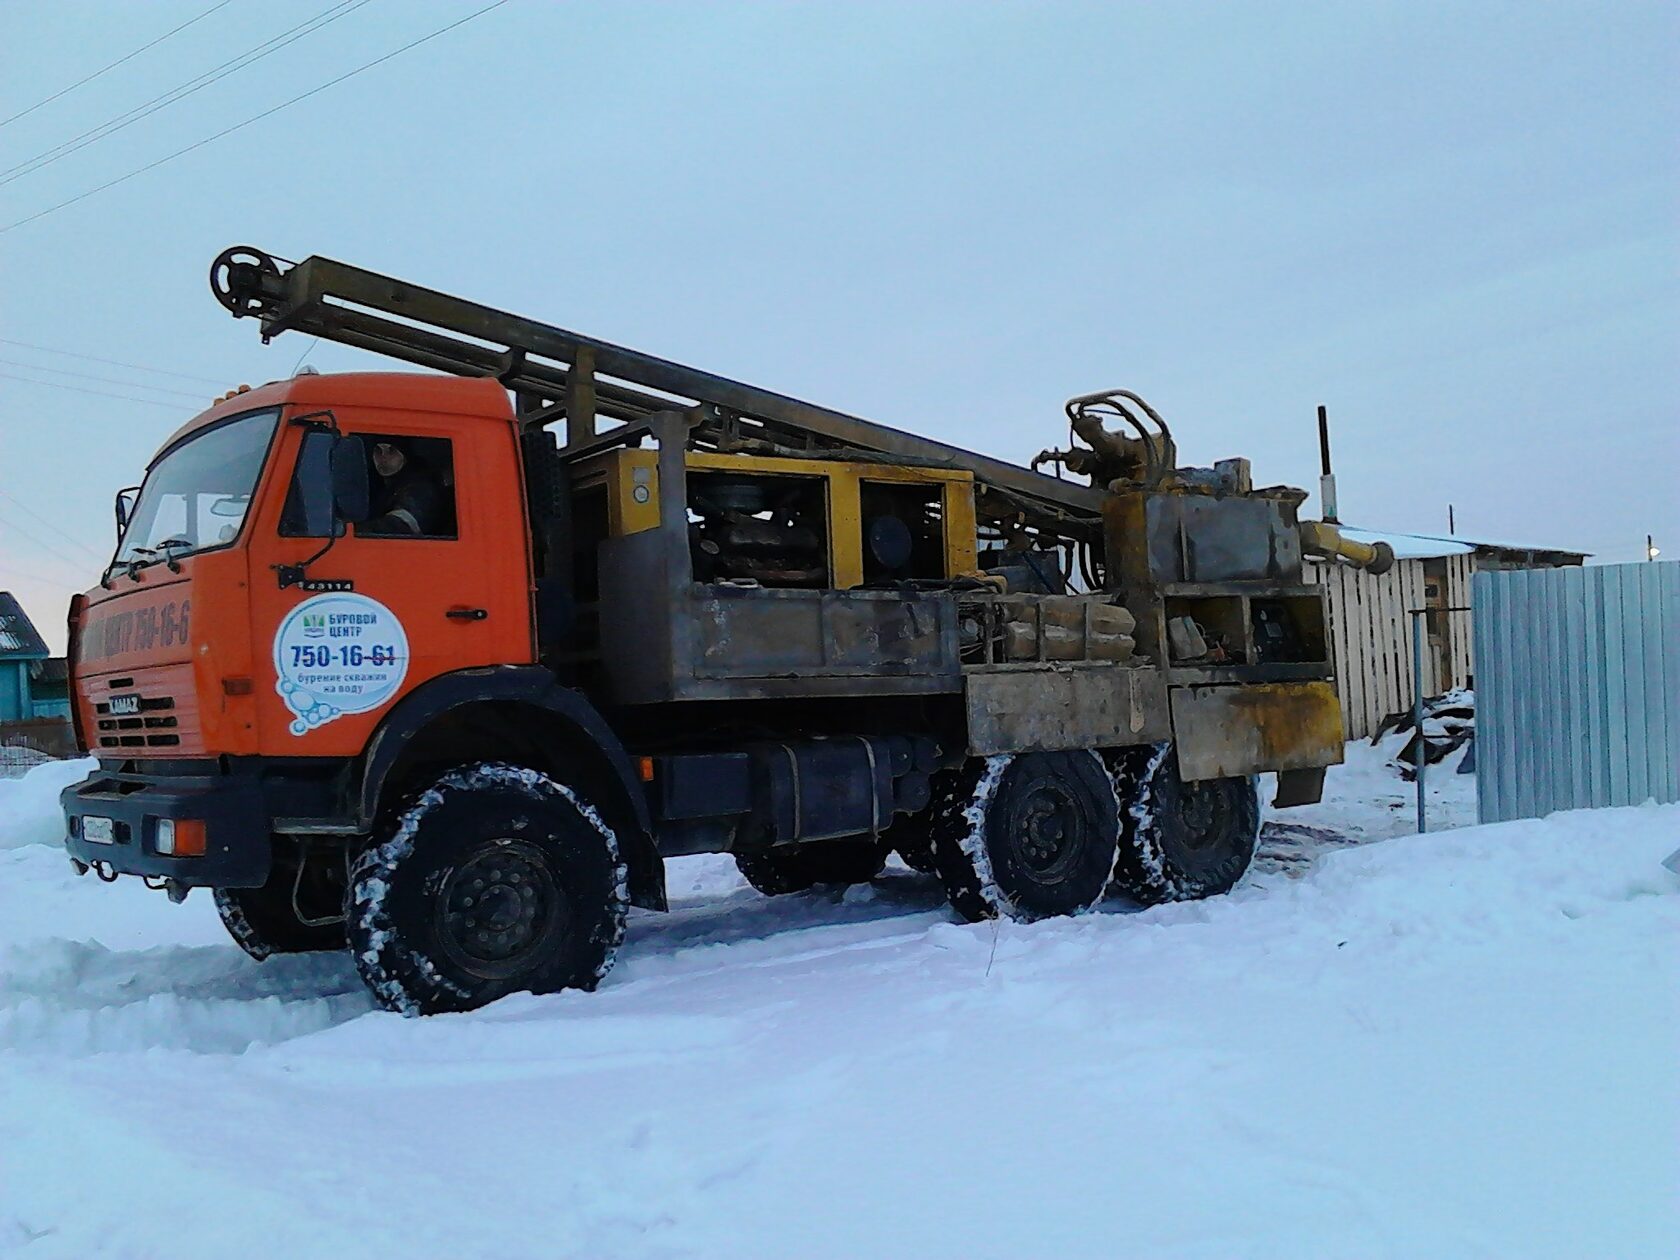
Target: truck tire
x,y
496,880
1180,841
263,921
1026,835
792,868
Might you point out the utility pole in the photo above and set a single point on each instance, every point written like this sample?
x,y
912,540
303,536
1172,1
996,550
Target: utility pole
x,y
1327,481
1452,528
1652,551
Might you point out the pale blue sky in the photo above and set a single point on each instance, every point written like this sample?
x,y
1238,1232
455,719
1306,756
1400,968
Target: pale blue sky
x,y
1452,224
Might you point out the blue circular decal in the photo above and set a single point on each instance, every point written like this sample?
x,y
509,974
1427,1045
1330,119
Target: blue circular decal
x,y
338,654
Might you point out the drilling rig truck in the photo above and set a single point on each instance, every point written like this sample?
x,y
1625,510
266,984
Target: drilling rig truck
x,y
440,666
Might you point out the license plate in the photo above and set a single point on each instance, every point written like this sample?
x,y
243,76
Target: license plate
x,y
96,830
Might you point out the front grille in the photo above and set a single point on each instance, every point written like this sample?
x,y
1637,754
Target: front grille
x,y
146,727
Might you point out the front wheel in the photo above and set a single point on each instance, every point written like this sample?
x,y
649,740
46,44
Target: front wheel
x,y
497,880
1180,841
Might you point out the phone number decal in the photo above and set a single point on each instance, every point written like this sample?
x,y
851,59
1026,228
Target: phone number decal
x,y
338,654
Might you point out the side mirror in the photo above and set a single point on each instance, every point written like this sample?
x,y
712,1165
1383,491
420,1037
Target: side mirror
x,y
352,491
309,506
124,507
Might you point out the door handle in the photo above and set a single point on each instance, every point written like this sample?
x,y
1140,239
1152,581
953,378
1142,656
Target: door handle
x,y
467,614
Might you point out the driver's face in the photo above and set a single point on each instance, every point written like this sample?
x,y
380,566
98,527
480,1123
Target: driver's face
x,y
388,461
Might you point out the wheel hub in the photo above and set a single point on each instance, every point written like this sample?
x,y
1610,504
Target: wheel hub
x,y
499,906
1050,830
1203,809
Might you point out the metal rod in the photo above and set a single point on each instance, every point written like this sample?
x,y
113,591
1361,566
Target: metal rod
x,y
1327,480
1417,615
1417,712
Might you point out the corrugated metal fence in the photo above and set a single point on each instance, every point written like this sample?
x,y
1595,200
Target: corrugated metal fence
x,y
1577,688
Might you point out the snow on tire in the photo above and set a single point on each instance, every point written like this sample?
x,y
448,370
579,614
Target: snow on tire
x,y
1179,841
496,880
1025,835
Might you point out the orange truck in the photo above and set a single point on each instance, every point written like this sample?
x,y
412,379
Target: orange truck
x,y
440,666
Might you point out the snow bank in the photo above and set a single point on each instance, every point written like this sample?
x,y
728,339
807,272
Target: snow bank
x,y
1454,1045
29,811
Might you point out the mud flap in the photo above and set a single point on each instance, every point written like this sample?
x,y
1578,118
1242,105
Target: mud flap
x,y
1222,732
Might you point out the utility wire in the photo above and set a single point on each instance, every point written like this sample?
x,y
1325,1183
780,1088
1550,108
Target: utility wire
x,y
102,393
103,69
181,92
30,575
94,358
50,548
228,131
34,515
306,352
108,380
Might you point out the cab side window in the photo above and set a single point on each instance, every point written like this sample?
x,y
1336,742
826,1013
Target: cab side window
x,y
413,483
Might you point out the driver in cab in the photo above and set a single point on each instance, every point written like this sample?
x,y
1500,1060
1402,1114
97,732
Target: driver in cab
x,y
409,498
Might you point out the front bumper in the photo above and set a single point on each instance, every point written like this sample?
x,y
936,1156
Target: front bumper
x,y
237,852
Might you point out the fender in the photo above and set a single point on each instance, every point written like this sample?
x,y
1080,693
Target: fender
x,y
534,687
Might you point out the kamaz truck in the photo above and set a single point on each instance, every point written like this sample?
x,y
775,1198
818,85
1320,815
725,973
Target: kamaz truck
x,y
440,666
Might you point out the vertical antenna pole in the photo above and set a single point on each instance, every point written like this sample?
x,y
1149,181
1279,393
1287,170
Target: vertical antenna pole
x,y
1327,481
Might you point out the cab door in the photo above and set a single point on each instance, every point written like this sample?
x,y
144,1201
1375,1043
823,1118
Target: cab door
x,y
436,580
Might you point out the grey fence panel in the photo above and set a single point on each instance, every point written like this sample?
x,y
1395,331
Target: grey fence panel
x,y
1577,688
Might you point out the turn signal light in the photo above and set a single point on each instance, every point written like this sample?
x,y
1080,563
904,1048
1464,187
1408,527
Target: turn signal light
x,y
645,766
180,837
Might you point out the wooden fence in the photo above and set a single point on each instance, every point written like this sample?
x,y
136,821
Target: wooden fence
x,y
1371,635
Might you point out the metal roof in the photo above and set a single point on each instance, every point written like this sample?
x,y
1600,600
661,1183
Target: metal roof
x,y
1430,546
19,640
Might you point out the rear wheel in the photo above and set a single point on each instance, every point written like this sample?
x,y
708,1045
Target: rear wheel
x,y
794,868
298,911
497,880
1026,835
1180,841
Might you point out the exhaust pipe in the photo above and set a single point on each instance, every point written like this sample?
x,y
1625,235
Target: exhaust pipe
x,y
1320,538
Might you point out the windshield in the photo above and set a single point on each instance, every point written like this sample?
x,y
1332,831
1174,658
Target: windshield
x,y
195,497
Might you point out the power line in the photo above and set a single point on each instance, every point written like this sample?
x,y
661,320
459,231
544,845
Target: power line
x,y
109,380
103,69
94,358
228,131
101,393
33,514
30,575
78,565
181,91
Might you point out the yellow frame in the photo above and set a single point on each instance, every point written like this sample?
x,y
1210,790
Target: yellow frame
x,y
632,480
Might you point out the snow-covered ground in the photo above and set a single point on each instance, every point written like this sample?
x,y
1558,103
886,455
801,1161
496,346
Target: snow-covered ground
x,y
1463,1044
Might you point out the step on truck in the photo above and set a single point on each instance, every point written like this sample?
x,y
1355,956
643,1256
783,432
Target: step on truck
x,y
441,666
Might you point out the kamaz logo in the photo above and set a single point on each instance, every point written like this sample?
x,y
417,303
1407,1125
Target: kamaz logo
x,y
125,704
314,625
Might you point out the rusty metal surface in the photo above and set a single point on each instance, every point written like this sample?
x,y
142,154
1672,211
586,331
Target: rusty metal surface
x,y
1097,706
1224,731
1203,538
766,633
